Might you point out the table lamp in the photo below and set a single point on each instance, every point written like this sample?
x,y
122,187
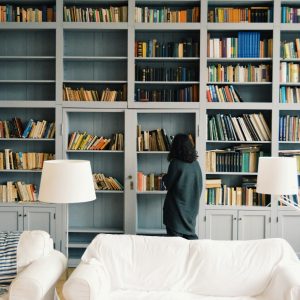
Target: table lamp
x,y
278,176
67,181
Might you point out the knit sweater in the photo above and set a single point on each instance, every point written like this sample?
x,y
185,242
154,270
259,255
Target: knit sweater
x,y
184,184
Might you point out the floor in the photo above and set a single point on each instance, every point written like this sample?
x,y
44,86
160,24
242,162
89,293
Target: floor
x,y
61,282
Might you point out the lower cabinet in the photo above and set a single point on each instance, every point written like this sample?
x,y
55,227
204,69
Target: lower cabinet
x,y
288,228
19,218
11,218
231,224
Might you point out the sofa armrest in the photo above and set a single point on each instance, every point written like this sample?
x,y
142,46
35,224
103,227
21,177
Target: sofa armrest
x,y
89,281
37,281
285,283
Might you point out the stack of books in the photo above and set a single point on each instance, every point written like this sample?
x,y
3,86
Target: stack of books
x,y
14,13
245,44
239,73
289,72
23,160
166,15
33,129
289,128
154,140
166,74
84,141
248,127
290,14
243,158
290,50
217,193
82,94
101,182
187,94
240,15
150,182
289,94
154,48
225,93
17,191
92,14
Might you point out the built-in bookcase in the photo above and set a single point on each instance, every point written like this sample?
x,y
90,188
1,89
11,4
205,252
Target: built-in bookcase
x,y
106,213
37,60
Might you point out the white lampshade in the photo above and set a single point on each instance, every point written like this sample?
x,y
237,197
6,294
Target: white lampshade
x,y
277,176
67,181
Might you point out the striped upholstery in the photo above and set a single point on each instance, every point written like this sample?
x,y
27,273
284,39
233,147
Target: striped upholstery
x,y
8,256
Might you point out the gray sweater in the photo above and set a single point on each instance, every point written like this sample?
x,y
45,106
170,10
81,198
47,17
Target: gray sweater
x,y
184,184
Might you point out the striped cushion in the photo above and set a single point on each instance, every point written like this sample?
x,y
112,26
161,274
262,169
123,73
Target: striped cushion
x,y
8,256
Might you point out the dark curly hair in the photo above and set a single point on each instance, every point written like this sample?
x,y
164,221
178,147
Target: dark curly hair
x,y
182,149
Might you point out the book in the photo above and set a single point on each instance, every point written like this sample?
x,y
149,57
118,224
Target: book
x,y
215,93
289,94
150,182
289,72
17,191
289,128
290,14
108,183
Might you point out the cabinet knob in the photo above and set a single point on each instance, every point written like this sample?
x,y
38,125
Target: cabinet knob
x,y
234,219
129,176
25,215
240,219
20,215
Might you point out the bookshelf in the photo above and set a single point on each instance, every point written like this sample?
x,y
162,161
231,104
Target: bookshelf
x,y
38,59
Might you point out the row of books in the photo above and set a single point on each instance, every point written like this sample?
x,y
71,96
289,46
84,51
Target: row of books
x,y
225,93
248,127
154,48
289,128
240,15
17,191
84,141
34,129
104,183
289,72
153,140
92,14
289,94
150,182
166,15
187,94
217,193
10,160
292,153
166,74
245,45
239,73
290,14
82,94
290,49
14,13
242,158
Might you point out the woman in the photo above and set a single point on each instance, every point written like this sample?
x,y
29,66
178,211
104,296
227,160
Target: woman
x,y
184,184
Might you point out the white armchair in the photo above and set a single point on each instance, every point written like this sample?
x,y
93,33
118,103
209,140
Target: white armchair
x,y
39,267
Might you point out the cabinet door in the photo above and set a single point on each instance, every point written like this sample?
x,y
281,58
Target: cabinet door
x,y
254,225
40,218
288,228
11,218
221,224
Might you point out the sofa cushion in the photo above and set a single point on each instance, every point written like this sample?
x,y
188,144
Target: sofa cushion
x,y
32,245
140,295
234,268
139,262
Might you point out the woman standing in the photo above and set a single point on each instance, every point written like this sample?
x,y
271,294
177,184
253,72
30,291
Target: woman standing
x,y
184,184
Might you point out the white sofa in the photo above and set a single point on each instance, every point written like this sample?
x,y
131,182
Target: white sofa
x,y
120,267
39,267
